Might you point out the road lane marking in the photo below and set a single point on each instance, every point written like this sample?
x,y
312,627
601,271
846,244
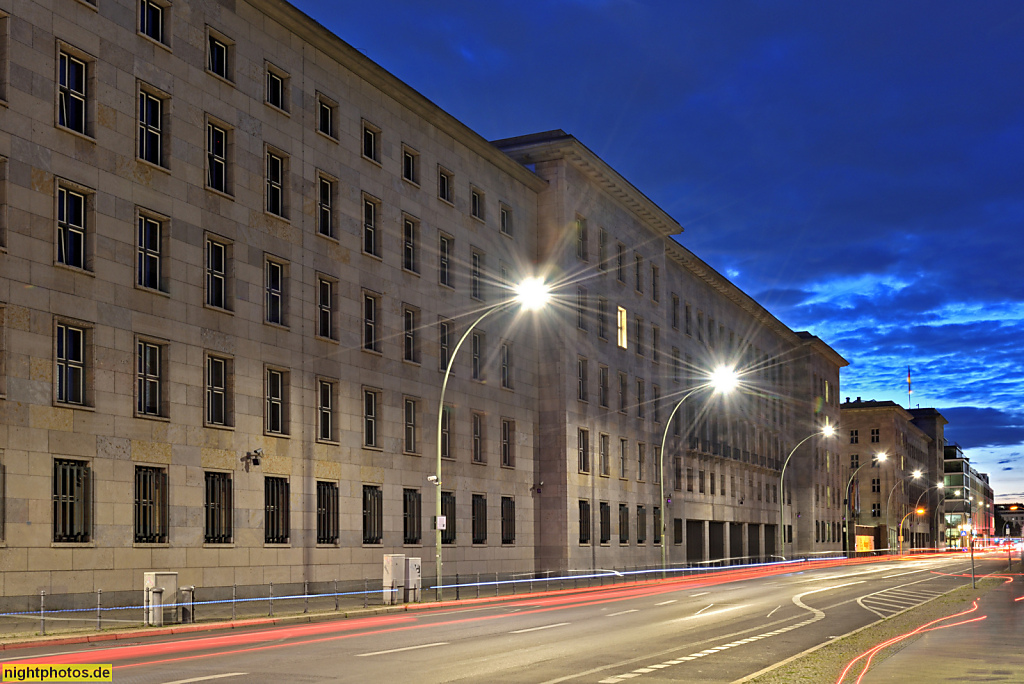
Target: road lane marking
x,y
704,608
772,613
204,679
700,594
901,574
665,603
537,629
398,650
622,612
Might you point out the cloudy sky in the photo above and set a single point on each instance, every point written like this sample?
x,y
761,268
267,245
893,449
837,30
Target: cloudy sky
x,y
858,168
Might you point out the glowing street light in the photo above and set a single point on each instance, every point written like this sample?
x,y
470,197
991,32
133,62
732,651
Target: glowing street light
x,y
826,431
919,511
531,294
722,380
916,475
850,524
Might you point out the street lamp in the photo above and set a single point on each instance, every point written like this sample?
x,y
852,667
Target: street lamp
x,y
531,294
722,380
916,475
919,511
939,485
879,458
826,431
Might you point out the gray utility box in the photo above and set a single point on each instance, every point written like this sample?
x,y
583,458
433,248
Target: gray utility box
x,y
394,578
413,580
159,589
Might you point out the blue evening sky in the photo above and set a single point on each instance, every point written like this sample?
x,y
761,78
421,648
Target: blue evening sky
x,y
858,168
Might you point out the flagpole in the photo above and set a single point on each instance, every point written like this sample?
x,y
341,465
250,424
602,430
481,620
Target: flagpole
x,y
909,390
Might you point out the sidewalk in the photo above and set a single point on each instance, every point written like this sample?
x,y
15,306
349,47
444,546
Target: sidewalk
x,y
989,650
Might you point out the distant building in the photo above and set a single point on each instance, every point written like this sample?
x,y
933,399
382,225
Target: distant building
x,y
1009,519
969,502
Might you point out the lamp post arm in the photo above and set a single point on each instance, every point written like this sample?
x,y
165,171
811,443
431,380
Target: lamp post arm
x,y
782,494
887,502
440,421
661,480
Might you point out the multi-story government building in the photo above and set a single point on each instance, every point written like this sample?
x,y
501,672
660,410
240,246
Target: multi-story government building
x,y
236,257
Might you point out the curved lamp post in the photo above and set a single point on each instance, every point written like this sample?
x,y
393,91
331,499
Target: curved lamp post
x,y
916,475
826,431
940,485
723,379
531,294
919,511
851,537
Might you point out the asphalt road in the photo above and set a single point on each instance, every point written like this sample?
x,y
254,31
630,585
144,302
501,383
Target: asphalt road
x,y
693,630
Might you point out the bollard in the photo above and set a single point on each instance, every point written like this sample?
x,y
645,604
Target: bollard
x,y
271,599
145,608
234,593
456,586
495,584
42,612
156,607
335,594
305,592
99,607
366,591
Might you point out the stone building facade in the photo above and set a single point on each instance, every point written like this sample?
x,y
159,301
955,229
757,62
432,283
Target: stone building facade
x,y
235,258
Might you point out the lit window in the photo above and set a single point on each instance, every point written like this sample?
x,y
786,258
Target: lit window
x,y
623,327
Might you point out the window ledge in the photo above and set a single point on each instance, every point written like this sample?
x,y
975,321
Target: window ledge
x,y
276,435
277,545
328,441
161,293
404,270
148,416
378,257
329,340
370,447
221,193
332,138
219,309
375,162
279,110
220,78
151,165
72,131
508,467
76,407
154,41
151,545
411,182
331,238
73,545
74,269
218,545
279,326
90,5
277,217
214,426
321,545
478,219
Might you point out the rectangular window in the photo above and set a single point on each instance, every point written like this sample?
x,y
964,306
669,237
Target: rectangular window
x,y
218,509
854,438
72,94
448,512
623,523
412,516
325,206
641,525
876,486
479,514
583,450
623,328
411,443
151,128
582,247
876,510
641,403
325,308
505,220
623,392
410,334
602,249
475,275
371,238
620,263
277,88
477,349
149,378
689,480
657,464
508,443
854,461
656,519
274,281
371,142
654,283
602,318
655,344
638,335
276,510
444,255
605,446
150,505
476,203
584,506
677,474
582,376
677,365
444,332
581,308
373,514
478,438
216,274
602,386
410,245
327,116
371,403
217,157
446,432
150,253
656,402
505,359
675,312
606,522
641,461
688,320
876,436
327,512
508,520
325,411
151,20
371,313
410,165
71,365
276,414
71,227
638,268
444,184
219,56
623,458
217,408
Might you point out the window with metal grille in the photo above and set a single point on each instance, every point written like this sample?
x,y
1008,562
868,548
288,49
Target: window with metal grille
x,y
326,512
325,410
508,520
655,344
149,252
218,508
275,418
448,511
150,505
371,305
71,228
276,511
412,515
371,398
656,403
217,157
325,206
371,241
444,255
623,457
216,390
72,93
373,514
605,511
584,521
508,442
446,432
581,308
70,364
72,501
605,456
150,128
274,287
657,523
216,273
478,438
677,474
152,20
505,360
583,450
410,246
410,334
623,523
411,444
148,378
479,519
641,525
